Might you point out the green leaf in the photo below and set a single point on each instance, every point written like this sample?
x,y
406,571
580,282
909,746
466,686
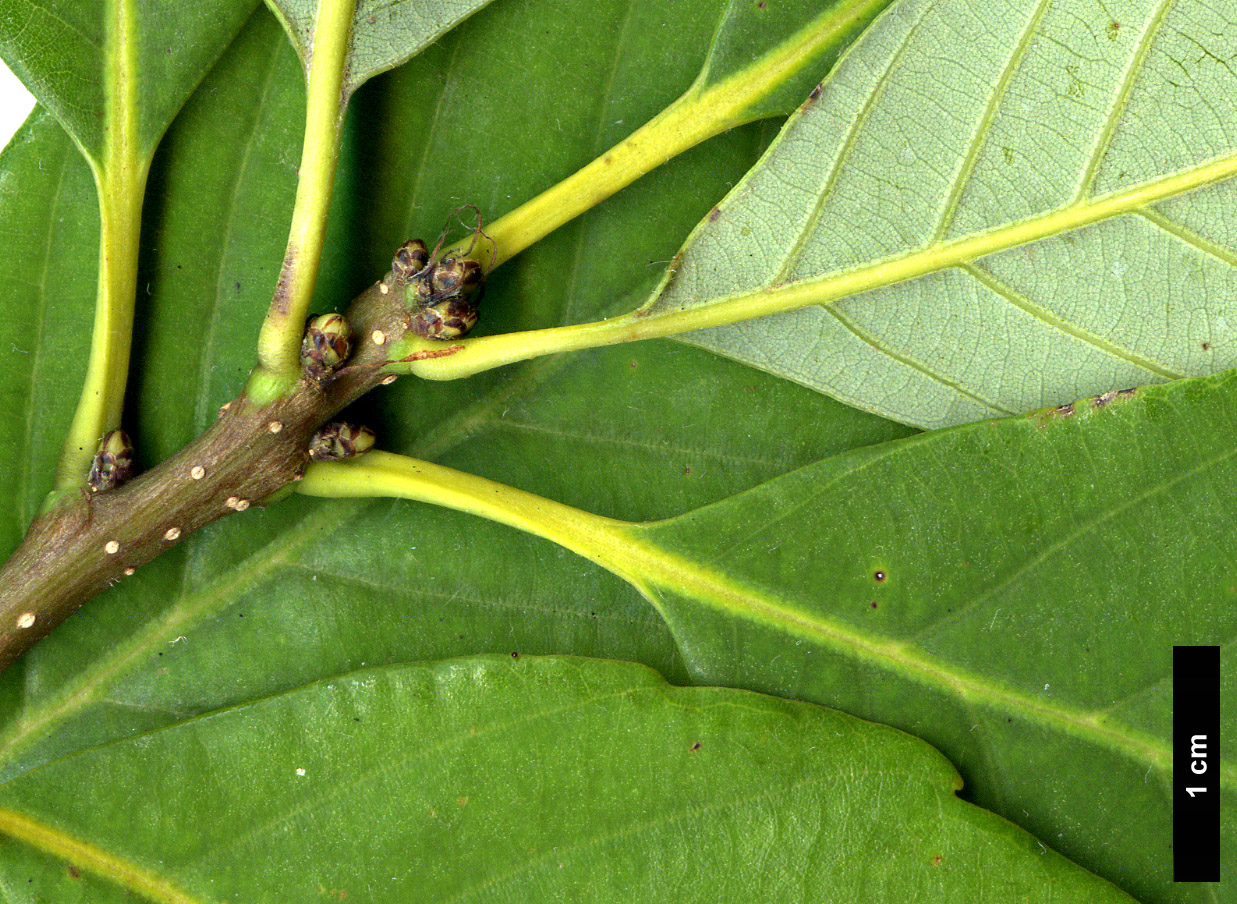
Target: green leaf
x,y
69,54
1039,218
1011,592
413,783
927,584
383,33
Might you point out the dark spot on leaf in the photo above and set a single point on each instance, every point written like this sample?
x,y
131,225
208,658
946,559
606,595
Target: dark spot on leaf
x,y
1066,410
696,746
515,654
1206,346
633,363
879,576
74,872
875,604
714,214
816,92
238,288
687,470
936,861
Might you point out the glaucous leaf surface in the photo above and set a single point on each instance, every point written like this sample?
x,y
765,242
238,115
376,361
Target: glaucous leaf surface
x,y
1018,202
66,50
412,783
384,34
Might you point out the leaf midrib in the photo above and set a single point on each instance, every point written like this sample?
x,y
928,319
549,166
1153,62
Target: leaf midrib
x,y
653,320
664,571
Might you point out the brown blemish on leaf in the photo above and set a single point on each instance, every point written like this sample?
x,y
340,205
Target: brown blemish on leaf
x,y
1112,395
820,86
936,861
1101,400
714,214
879,576
1066,410
695,747
1206,346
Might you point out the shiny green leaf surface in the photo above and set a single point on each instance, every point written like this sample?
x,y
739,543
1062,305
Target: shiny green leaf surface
x,y
1042,217
49,226
977,587
641,791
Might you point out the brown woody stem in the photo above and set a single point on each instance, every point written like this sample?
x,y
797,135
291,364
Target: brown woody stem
x,y
87,543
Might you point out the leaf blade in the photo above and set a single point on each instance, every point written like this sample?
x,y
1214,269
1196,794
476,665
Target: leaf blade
x,y
948,255
985,565
657,787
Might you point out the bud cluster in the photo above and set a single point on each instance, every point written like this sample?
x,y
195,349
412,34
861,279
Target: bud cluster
x,y
442,295
113,462
339,440
327,343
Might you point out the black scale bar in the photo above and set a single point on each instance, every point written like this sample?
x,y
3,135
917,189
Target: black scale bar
x,y
1196,764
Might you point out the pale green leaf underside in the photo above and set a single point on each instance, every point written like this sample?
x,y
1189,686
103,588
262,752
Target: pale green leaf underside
x,y
1026,194
641,792
385,33
63,50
